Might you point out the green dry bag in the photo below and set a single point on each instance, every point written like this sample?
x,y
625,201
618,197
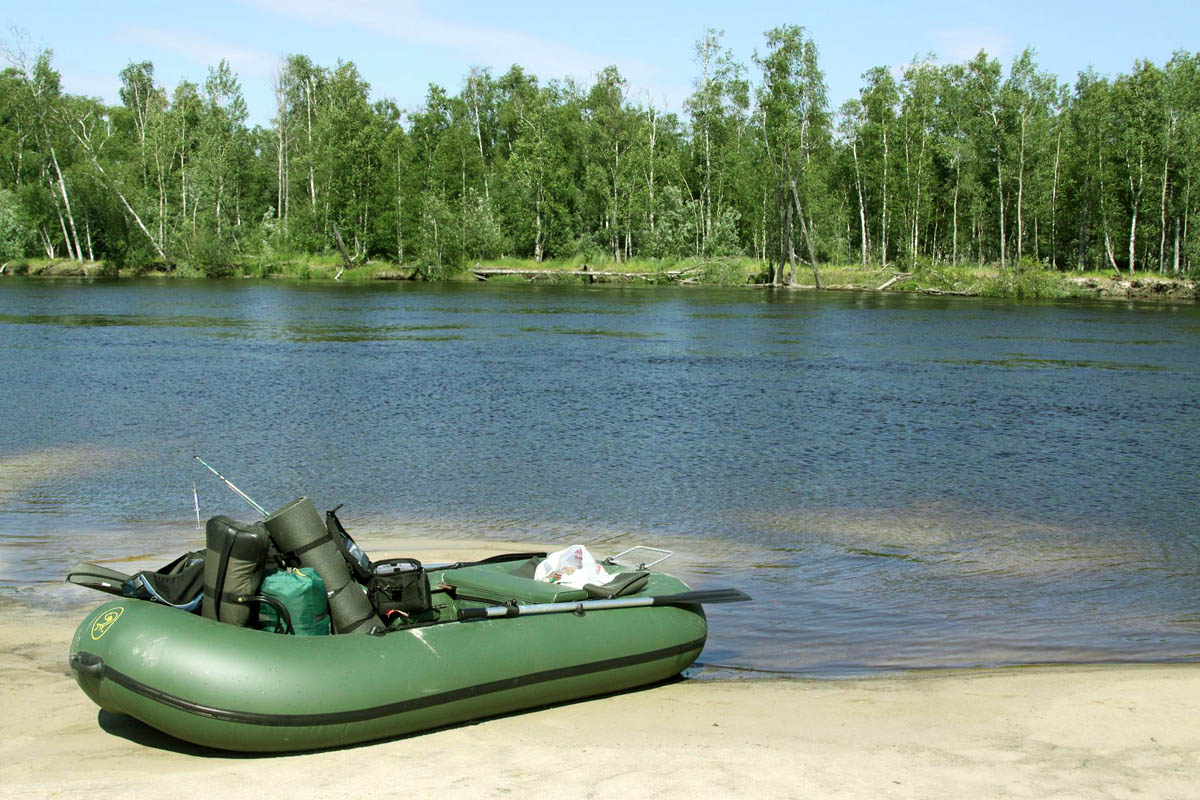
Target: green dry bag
x,y
302,592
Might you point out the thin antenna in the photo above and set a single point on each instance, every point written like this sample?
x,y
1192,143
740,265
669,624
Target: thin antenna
x,y
233,488
196,500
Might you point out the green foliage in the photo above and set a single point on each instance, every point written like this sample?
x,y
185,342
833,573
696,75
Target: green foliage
x,y
677,228
12,232
721,271
211,255
481,233
722,238
1024,283
930,167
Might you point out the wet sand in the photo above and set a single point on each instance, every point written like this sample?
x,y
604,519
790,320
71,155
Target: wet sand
x,y
1112,731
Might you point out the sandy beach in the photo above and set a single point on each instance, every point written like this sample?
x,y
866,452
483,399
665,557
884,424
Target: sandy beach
x,y
1035,732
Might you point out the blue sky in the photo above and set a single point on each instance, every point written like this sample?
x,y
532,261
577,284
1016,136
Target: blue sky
x,y
401,46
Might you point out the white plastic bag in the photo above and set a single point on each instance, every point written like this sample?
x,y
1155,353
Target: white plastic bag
x,y
572,566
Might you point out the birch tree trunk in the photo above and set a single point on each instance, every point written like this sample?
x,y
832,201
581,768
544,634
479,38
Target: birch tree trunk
x,y
161,181
1108,248
183,206
399,208
77,255
1179,241
1021,193
66,237
862,206
1187,215
474,87
282,176
883,232
1175,265
763,225
957,182
1162,236
1000,191
652,118
916,235
1135,192
1054,201
312,178
537,236
807,233
614,232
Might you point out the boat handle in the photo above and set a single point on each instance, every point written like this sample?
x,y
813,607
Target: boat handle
x,y
88,664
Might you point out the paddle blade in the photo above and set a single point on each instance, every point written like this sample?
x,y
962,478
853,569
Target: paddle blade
x,y
703,596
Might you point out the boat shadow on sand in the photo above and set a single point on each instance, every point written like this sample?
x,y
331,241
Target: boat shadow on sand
x,y
139,733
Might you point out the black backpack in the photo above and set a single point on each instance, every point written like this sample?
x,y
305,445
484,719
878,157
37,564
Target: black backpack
x,y
393,584
179,584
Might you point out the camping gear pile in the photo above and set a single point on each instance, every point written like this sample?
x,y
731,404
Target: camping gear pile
x,y
283,635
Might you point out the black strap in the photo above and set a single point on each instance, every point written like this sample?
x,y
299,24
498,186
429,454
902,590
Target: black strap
x,y
285,616
227,597
342,539
219,589
320,540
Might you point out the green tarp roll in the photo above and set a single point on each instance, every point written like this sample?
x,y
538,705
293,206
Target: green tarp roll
x,y
298,528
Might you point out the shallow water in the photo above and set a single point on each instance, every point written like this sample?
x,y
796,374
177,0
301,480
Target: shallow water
x,y
899,481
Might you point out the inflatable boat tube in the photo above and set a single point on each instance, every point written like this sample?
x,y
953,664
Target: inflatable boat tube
x,y
237,688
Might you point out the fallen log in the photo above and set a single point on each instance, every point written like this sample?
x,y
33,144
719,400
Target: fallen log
x,y
924,290
485,272
898,276
341,246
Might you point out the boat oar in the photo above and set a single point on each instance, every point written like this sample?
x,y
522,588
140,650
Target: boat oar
x,y
681,599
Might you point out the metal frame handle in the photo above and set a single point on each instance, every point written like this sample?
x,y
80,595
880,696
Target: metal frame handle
x,y
642,565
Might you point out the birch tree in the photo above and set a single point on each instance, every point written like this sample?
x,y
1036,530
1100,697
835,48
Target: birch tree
x,y
880,98
795,126
991,134
718,107
850,125
1140,119
611,130
40,96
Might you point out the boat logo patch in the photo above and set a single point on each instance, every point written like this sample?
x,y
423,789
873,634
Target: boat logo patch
x,y
105,621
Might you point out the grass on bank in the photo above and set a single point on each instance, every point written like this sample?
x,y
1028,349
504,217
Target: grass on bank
x,y
1021,281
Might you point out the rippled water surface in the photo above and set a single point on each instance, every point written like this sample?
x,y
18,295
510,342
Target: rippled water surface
x,y
898,481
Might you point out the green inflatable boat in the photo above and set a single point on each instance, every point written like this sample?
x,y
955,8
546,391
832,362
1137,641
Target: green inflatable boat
x,y
478,640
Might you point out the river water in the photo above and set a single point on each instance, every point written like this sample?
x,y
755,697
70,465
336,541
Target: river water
x,y
899,481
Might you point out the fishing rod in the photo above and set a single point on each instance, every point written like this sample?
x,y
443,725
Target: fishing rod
x,y
233,488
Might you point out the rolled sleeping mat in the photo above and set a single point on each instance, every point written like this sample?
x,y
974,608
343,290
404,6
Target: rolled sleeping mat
x,y
235,559
298,529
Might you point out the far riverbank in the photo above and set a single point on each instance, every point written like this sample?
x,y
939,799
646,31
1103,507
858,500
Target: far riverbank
x,y
970,281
